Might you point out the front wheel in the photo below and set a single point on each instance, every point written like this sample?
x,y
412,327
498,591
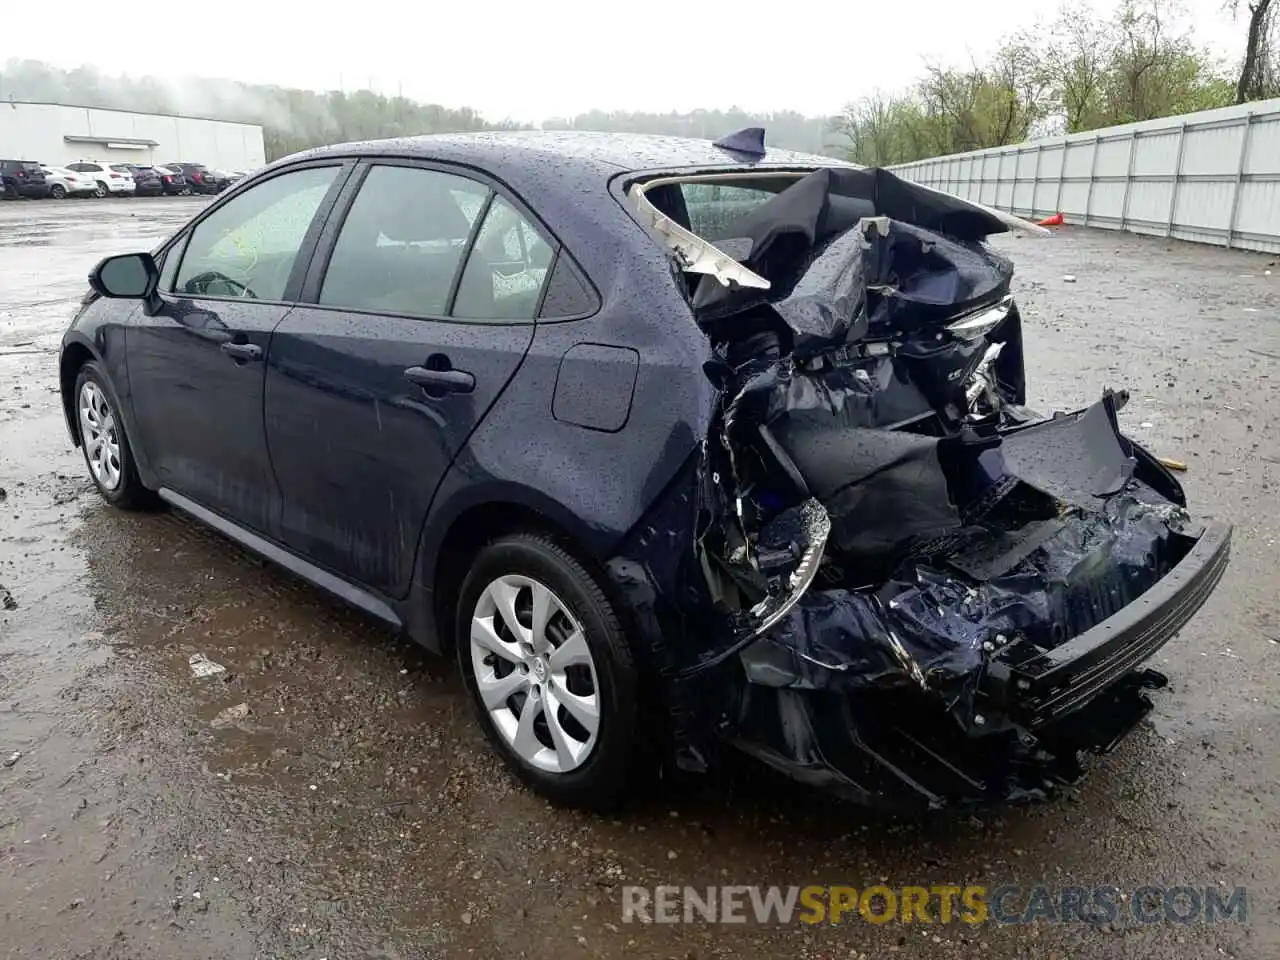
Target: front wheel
x,y
105,443
550,672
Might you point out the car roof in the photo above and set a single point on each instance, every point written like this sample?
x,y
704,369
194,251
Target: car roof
x,y
571,151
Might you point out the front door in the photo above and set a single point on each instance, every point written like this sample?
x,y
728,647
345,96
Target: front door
x,y
196,365
419,322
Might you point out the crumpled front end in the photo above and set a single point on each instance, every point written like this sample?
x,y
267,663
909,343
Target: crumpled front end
x,y
918,589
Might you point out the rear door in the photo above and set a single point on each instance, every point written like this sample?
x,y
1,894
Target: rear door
x,y
196,366
421,311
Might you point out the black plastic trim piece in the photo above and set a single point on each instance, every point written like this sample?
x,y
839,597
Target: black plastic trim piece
x,y
1058,681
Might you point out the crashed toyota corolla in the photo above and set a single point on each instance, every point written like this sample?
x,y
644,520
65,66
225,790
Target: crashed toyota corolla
x,y
681,447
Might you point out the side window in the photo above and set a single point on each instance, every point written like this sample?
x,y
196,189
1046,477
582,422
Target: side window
x,y
247,247
505,270
402,242
568,295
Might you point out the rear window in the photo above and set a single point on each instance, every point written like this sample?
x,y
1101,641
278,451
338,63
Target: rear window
x,y
714,207
122,168
30,166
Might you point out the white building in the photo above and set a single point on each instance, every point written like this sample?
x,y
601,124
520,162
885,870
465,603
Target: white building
x,y
53,133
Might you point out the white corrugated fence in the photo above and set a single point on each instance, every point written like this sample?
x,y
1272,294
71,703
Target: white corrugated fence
x,y
1208,177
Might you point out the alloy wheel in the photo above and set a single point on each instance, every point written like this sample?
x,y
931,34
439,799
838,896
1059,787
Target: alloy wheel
x,y
100,436
535,674
101,190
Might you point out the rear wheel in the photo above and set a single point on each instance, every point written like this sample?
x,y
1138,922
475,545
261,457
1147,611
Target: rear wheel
x,y
58,192
101,190
550,672
105,443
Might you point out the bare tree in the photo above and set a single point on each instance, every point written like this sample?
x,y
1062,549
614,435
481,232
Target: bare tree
x,y
1258,72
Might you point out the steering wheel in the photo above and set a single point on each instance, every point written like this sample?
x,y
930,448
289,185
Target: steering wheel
x,y
202,280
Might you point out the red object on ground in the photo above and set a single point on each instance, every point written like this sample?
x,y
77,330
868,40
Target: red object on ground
x,y
1054,221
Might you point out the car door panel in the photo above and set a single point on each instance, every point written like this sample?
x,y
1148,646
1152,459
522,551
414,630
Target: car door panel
x,y
197,360
199,408
359,446
367,404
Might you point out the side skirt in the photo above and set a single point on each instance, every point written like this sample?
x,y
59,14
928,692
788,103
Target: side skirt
x,y
331,583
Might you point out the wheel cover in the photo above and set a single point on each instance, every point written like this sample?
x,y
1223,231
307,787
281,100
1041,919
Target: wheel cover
x,y
535,674
100,436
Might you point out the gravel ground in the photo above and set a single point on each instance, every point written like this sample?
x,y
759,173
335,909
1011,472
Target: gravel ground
x,y
354,811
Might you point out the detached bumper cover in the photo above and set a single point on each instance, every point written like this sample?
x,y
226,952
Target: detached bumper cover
x,y
1049,686
883,726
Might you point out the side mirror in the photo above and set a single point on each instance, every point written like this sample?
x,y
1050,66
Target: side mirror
x,y
129,276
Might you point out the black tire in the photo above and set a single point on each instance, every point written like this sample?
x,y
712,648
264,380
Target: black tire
x,y
617,761
58,192
101,190
10,192
129,493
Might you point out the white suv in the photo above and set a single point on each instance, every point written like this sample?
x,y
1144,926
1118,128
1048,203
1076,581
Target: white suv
x,y
114,178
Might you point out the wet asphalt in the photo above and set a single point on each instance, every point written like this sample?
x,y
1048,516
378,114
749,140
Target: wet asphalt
x,y
350,808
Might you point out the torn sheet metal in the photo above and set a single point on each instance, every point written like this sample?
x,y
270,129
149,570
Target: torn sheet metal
x,y
884,533
921,248
934,626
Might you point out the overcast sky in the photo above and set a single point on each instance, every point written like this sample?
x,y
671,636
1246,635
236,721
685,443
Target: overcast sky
x,y
528,61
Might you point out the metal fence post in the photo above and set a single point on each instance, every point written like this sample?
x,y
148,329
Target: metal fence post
x,y
1236,190
1128,179
1177,178
1062,175
1093,172
1035,179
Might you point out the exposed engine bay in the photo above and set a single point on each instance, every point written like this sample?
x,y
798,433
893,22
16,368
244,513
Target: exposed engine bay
x,y
884,524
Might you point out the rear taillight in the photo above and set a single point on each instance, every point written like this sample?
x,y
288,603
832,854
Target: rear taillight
x,y
115,176
977,325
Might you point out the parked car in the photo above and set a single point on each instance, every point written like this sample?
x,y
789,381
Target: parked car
x,y
200,179
172,181
146,180
112,179
221,178
23,178
666,482
67,183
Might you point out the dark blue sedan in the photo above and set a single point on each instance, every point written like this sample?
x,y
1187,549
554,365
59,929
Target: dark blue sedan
x,y
677,445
